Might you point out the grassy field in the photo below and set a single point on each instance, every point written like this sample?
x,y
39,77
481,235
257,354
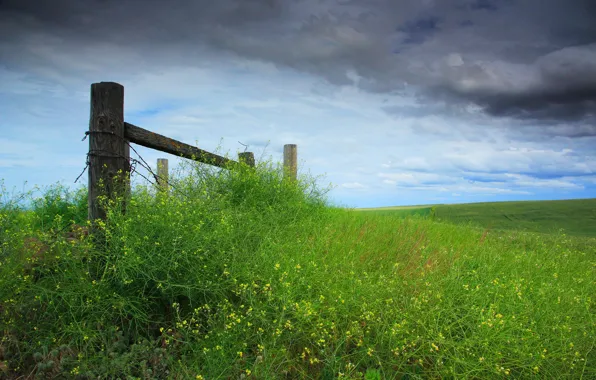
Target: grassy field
x,y
242,275
402,212
575,217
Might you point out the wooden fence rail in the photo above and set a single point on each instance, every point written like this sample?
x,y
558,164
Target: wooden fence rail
x,y
109,155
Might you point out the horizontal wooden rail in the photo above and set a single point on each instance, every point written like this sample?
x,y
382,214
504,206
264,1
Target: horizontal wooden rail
x,y
153,140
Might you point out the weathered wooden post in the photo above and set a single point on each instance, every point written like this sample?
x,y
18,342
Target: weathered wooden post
x,y
162,174
109,159
248,158
291,161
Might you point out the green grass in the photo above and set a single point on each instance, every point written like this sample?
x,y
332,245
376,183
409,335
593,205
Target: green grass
x,y
575,217
244,275
392,208
402,212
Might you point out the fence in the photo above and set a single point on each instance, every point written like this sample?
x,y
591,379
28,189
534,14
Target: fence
x,y
109,149
290,167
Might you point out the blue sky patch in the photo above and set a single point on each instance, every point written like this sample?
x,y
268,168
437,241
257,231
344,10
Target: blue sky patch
x,y
148,112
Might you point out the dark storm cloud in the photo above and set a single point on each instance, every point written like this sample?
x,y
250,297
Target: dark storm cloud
x,y
559,86
531,60
419,30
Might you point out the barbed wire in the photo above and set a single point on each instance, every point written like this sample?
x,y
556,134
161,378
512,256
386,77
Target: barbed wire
x,y
132,163
245,146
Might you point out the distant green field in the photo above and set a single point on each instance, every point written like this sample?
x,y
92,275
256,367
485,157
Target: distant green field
x,y
401,211
575,217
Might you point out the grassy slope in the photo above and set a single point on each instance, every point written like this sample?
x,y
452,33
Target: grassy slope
x,y
575,217
247,277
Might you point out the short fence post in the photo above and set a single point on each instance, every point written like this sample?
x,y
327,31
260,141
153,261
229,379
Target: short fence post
x,y
109,159
248,158
128,169
162,175
291,161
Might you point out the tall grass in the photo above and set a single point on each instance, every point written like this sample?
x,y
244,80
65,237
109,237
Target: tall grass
x,y
243,274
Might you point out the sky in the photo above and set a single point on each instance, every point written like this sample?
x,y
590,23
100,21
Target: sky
x,y
391,102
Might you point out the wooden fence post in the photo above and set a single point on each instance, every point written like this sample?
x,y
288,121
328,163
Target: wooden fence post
x,y
128,167
108,151
162,174
248,158
291,161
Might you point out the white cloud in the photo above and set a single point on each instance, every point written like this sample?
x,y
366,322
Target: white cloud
x,y
353,185
416,178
